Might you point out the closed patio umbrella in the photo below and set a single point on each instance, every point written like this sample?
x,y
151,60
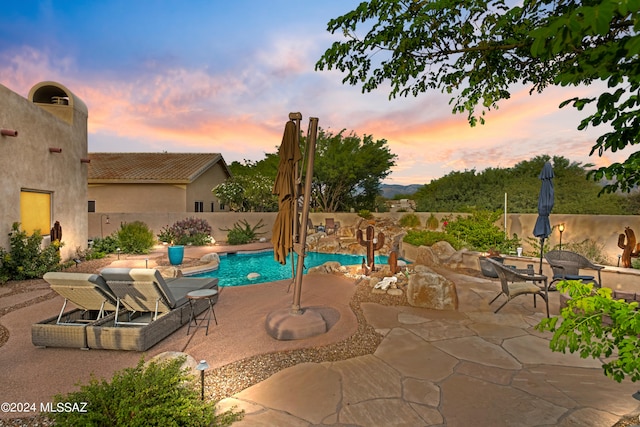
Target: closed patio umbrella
x,y
542,229
285,188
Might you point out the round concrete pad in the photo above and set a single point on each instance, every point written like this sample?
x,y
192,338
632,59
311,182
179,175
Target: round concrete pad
x,y
286,325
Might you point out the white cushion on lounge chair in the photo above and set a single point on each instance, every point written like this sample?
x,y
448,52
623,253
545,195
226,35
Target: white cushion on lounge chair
x,y
86,291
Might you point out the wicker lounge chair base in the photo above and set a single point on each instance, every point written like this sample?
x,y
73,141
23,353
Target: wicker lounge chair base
x,y
138,336
72,333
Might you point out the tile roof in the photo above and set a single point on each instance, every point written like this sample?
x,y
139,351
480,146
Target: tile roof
x,y
180,168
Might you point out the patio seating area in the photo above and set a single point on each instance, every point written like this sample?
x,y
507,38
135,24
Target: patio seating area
x,y
483,368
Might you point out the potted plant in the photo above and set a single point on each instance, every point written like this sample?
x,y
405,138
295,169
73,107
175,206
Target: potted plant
x,y
175,254
486,267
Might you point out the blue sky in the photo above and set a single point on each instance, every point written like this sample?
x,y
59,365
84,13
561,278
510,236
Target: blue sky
x,y
222,76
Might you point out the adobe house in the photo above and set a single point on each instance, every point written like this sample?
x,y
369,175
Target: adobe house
x,y
155,182
43,165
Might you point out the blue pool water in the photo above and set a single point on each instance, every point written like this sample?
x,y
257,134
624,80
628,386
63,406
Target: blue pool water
x,y
234,268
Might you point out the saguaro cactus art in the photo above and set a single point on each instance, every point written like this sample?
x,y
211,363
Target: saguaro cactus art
x,y
629,248
372,244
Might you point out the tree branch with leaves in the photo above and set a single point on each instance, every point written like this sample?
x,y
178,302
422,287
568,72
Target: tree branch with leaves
x,y
477,50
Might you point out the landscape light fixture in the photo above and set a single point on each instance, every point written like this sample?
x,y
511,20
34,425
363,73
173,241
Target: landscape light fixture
x,y
107,222
202,366
561,230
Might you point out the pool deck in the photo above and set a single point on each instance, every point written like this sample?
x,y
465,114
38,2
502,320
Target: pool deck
x,y
438,368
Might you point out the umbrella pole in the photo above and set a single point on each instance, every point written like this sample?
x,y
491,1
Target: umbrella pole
x,y
541,251
310,153
296,118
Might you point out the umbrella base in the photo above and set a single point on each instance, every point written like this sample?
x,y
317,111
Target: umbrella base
x,y
284,325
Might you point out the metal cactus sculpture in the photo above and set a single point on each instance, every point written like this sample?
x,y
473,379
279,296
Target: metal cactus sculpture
x,y
393,262
629,248
372,244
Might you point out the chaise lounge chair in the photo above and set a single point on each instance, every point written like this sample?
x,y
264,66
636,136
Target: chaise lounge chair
x,y
148,308
93,299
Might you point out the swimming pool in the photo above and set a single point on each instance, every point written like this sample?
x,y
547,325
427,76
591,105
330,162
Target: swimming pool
x,y
235,267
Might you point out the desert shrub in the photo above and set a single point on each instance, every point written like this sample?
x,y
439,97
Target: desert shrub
x,y
100,248
365,213
432,222
428,238
158,394
242,232
190,231
26,259
479,230
166,235
135,238
590,249
409,221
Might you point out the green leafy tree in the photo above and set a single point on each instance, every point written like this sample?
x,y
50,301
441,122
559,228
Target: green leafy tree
x,y
250,187
477,50
469,190
348,170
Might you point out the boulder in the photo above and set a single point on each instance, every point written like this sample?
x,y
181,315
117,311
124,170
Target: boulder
x,y
327,244
443,250
429,289
328,267
212,258
426,256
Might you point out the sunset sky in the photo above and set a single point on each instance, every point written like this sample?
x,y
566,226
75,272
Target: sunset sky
x,y
222,76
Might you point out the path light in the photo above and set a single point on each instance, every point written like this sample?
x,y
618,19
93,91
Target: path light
x,y
118,250
202,366
561,230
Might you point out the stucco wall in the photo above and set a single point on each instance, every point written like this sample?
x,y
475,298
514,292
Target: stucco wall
x,y
26,163
138,197
200,188
603,229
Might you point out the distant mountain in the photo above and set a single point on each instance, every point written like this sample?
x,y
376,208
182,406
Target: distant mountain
x,y
390,190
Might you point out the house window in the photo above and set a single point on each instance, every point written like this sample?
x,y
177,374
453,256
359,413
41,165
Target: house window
x,y
199,207
35,211
213,206
92,205
221,206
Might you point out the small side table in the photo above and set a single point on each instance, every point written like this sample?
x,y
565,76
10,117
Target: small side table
x,y
193,298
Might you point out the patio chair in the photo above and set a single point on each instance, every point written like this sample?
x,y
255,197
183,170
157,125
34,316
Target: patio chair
x,y
88,292
331,225
515,282
566,265
144,290
310,227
